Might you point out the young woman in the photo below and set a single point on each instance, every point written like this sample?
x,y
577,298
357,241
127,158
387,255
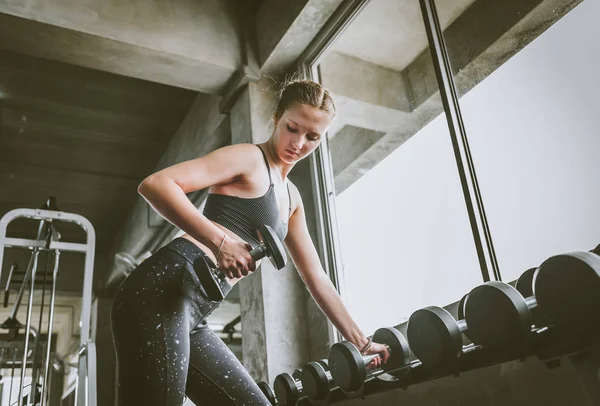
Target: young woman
x,y
164,348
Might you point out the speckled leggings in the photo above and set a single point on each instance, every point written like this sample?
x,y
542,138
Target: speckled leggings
x,y
164,348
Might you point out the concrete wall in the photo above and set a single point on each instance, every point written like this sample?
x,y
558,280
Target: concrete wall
x,y
532,129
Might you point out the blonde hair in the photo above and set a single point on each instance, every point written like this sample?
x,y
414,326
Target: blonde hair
x,y
304,91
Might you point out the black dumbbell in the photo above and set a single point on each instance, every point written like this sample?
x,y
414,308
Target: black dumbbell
x,y
215,282
288,388
566,288
268,392
317,381
348,366
435,337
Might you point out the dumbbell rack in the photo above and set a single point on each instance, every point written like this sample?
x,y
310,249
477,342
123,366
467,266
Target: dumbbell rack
x,y
566,324
548,345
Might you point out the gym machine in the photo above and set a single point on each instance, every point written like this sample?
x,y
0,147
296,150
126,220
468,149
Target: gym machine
x,y
49,242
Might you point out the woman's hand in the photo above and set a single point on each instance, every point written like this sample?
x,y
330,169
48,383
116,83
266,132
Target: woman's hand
x,y
380,349
234,258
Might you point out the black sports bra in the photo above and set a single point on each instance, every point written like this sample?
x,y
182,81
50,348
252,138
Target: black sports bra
x,y
244,216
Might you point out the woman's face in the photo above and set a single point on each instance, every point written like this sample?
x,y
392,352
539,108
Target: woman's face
x,y
299,131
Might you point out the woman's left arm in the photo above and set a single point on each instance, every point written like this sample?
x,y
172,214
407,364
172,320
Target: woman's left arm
x,y
306,260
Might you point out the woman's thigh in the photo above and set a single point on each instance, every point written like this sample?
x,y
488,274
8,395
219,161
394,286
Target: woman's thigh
x,y
216,376
151,327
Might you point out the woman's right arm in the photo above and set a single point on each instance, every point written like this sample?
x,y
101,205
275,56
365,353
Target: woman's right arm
x,y
166,189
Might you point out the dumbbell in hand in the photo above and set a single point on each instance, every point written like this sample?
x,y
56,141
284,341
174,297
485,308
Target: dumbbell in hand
x,y
288,388
565,292
214,280
348,367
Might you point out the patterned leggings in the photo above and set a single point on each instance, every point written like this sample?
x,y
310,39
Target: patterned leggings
x,y
164,348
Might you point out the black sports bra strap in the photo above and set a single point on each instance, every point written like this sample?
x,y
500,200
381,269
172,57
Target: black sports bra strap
x,y
290,198
266,163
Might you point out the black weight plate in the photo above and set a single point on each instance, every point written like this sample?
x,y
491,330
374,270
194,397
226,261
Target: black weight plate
x,y
286,390
434,336
275,250
567,288
497,316
347,366
266,389
315,383
400,352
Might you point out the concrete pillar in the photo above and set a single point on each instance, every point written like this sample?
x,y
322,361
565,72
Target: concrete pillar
x,y
276,323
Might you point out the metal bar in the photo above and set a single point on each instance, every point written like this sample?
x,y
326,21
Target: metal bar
x,y
466,168
50,326
13,268
63,246
90,381
36,253
13,313
12,375
36,349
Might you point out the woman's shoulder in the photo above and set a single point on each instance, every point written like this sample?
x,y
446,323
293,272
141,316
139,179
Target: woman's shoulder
x,y
242,153
243,148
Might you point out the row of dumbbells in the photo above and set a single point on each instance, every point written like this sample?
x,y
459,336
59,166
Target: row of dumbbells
x,y
563,292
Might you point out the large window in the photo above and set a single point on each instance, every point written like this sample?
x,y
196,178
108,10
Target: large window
x,y
400,230
527,78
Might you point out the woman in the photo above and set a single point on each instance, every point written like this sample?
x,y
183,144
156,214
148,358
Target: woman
x,y
164,347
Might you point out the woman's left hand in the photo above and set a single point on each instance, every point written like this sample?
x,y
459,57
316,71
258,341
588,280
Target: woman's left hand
x,y
380,349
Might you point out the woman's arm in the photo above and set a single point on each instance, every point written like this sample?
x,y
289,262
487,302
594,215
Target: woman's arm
x,y
306,259
166,189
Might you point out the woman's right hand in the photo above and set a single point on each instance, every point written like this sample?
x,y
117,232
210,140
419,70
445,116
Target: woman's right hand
x,y
234,258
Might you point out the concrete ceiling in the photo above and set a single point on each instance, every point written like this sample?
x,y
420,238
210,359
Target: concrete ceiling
x,y
85,136
390,33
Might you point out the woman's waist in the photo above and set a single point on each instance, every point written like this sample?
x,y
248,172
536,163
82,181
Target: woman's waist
x,y
210,255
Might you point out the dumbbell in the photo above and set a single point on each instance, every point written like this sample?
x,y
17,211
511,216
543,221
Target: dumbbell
x,y
566,288
215,282
288,388
267,391
317,381
348,367
435,337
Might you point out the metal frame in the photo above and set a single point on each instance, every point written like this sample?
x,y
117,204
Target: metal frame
x,y
464,161
86,376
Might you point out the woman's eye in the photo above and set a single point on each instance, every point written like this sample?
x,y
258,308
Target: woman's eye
x,y
292,130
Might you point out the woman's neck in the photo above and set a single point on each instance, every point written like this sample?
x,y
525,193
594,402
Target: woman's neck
x,y
278,165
